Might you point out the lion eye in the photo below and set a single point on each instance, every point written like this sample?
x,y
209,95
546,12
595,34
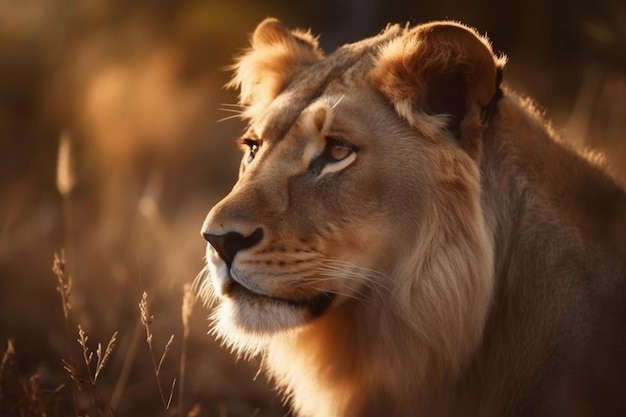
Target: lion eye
x,y
253,147
337,150
337,155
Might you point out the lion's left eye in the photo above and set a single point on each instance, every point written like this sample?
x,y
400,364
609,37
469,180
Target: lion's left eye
x,y
253,148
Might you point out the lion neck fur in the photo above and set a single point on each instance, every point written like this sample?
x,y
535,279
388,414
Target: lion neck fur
x,y
540,193
540,174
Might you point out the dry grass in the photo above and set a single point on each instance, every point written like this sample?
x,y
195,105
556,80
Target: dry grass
x,y
84,391
113,379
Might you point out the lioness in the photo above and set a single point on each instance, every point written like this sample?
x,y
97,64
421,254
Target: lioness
x,y
408,238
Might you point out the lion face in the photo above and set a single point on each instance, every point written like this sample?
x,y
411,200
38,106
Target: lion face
x,y
319,215
353,184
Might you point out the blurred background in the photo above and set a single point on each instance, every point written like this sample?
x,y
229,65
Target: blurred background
x,y
126,96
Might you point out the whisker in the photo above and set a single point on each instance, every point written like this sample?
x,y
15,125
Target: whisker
x,y
328,271
197,281
341,263
335,269
203,288
358,294
234,116
232,110
363,275
350,268
233,105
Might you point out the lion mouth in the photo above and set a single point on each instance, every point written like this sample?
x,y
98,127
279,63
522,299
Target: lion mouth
x,y
315,306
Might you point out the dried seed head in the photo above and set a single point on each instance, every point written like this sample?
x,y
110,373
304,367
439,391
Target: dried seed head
x,y
146,318
65,170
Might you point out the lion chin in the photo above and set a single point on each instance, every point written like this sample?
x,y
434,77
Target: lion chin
x,y
408,237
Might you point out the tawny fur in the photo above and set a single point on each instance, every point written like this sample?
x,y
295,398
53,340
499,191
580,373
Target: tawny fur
x,y
476,262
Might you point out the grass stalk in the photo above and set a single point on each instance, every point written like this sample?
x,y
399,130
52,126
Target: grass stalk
x,y
189,300
65,289
147,319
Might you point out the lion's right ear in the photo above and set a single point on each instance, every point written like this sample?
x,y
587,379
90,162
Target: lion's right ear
x,y
274,56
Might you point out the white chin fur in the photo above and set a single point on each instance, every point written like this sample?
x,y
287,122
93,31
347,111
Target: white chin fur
x,y
247,327
257,318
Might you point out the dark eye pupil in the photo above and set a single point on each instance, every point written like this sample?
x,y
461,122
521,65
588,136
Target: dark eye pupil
x,y
253,148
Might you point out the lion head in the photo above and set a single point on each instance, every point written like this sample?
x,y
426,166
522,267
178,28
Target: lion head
x,y
357,215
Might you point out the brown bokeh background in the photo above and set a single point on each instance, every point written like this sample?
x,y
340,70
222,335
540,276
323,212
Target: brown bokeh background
x,y
134,90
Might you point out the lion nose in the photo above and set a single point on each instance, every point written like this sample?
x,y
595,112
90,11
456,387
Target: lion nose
x,y
227,245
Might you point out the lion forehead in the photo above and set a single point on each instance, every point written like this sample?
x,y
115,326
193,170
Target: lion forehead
x,y
346,65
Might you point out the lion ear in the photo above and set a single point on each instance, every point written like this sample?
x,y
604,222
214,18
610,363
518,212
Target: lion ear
x,y
274,56
442,69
